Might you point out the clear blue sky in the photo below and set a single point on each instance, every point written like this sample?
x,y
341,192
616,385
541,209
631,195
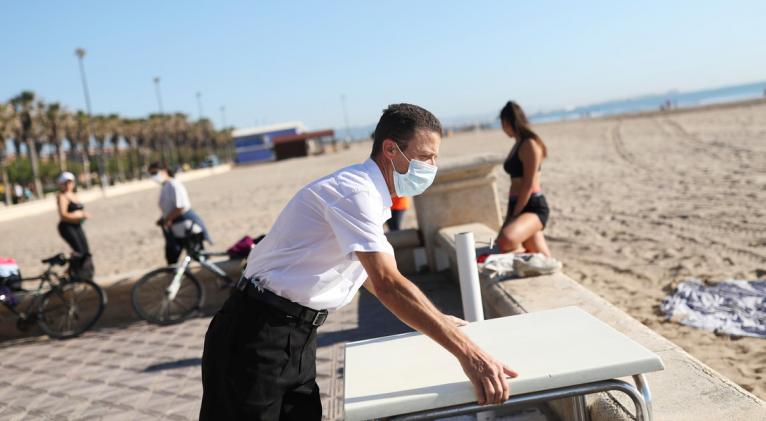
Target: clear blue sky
x,y
290,60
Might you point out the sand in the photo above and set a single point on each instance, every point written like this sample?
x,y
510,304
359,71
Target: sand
x,y
638,204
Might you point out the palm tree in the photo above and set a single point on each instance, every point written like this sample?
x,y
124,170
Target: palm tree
x,y
130,131
116,127
27,131
76,129
157,136
102,130
8,122
222,139
55,118
178,127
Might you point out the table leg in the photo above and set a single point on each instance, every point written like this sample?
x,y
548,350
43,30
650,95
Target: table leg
x,y
643,387
642,412
579,408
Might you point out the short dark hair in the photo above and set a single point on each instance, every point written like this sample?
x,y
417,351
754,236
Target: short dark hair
x,y
157,165
399,123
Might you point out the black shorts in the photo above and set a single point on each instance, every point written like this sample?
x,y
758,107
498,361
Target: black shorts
x,y
536,204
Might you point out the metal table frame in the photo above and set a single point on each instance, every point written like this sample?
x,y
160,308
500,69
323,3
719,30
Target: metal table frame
x,y
639,394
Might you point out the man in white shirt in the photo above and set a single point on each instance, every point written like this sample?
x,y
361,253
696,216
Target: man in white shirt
x,y
260,349
177,218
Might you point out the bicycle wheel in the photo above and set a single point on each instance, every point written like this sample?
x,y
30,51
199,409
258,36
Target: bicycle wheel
x,y
70,309
152,302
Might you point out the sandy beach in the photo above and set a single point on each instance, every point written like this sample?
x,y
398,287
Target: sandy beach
x,y
638,205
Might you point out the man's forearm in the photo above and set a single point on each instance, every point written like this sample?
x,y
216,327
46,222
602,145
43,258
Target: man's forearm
x,y
411,306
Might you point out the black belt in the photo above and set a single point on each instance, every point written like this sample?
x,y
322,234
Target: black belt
x,y
309,315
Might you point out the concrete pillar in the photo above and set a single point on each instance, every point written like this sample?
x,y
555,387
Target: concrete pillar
x,y
465,191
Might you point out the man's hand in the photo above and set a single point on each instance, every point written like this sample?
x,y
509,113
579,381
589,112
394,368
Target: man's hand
x,y
488,376
455,320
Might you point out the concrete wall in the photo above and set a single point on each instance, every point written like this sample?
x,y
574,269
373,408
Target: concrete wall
x,y
48,203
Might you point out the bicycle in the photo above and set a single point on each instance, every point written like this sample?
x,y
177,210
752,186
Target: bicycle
x,y
172,294
64,306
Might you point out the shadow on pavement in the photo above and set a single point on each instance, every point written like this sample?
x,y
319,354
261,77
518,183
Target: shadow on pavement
x,y
187,362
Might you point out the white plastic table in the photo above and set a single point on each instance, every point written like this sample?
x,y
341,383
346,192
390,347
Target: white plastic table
x,y
558,353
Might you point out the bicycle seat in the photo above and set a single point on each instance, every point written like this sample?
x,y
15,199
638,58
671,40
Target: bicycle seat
x,y
58,259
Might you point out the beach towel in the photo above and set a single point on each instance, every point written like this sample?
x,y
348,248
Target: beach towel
x,y
497,267
734,307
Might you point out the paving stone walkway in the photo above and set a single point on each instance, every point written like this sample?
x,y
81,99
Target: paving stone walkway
x,y
141,371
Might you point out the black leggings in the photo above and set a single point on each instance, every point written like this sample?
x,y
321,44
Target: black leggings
x,y
75,237
395,223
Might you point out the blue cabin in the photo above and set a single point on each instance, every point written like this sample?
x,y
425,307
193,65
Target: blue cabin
x,y
256,144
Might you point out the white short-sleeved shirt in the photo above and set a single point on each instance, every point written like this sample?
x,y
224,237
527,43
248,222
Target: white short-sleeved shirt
x,y
173,195
308,255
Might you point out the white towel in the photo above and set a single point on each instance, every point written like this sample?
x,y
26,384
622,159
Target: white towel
x,y
517,265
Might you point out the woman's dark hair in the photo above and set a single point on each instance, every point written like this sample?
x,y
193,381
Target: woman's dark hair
x,y
155,166
514,116
399,123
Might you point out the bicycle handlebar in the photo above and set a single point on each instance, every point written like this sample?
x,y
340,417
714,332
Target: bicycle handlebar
x,y
214,253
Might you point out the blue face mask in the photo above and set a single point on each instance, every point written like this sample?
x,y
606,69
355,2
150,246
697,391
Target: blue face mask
x,y
416,180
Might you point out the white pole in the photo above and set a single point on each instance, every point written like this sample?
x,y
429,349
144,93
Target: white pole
x,y
468,272
470,291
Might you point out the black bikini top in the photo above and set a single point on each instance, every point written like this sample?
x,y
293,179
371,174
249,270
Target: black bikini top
x,y
74,206
513,164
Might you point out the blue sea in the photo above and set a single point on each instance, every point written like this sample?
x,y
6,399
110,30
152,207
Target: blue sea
x,y
654,102
621,106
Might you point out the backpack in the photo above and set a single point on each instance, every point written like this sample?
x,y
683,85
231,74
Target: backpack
x,y
10,277
242,248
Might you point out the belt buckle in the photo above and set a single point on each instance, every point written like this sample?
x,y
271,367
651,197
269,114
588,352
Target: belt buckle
x,y
319,318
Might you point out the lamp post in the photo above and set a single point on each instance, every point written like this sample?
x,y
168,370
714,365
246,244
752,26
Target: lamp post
x,y
159,95
227,145
345,118
165,149
199,104
80,53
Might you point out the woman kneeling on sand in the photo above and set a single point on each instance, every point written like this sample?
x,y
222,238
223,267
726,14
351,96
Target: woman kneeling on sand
x,y
527,209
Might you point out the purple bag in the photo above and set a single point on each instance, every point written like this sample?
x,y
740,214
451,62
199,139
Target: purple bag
x,y
242,248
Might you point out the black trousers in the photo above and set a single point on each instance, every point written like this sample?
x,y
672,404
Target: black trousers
x,y
173,247
258,364
395,222
74,235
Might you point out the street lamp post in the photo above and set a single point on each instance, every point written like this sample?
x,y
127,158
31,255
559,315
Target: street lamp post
x,y
165,149
199,104
159,95
80,53
227,145
345,118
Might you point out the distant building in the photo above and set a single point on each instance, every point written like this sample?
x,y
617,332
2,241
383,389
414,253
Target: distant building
x,y
256,144
279,141
303,144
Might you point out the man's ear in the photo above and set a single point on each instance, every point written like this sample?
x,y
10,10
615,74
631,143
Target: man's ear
x,y
389,148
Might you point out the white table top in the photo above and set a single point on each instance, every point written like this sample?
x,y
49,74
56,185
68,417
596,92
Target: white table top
x,y
406,373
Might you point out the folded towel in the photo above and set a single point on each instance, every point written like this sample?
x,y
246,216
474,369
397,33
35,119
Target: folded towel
x,y
497,267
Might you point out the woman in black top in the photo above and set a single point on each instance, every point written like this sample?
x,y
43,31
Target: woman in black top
x,y
71,215
527,209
